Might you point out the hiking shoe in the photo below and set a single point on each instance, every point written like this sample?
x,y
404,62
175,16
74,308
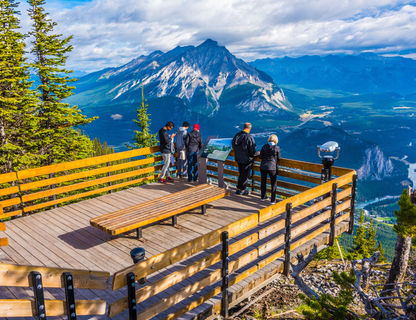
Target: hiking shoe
x,y
246,192
273,202
161,180
169,179
239,191
264,199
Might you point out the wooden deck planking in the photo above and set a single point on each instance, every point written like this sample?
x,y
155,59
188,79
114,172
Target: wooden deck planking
x,y
63,237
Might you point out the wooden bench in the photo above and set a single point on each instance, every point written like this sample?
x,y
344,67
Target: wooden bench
x,y
143,214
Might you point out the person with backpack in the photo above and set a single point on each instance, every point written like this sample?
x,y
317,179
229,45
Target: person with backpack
x,y
193,142
244,148
182,164
270,156
166,146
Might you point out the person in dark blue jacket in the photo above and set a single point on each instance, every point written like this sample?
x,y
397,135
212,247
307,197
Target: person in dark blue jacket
x,y
270,156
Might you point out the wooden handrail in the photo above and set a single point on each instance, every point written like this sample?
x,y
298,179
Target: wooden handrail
x,y
33,189
19,276
310,221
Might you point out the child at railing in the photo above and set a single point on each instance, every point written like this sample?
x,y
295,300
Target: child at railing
x,y
269,155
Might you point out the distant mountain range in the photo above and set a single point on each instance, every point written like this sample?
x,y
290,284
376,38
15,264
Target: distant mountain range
x,y
363,73
204,84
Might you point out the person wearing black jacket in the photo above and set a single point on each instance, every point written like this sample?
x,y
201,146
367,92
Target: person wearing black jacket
x,y
270,156
166,146
193,143
244,153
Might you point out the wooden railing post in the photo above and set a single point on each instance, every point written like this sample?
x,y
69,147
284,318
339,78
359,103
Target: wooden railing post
x,y
220,167
131,296
288,236
353,193
39,309
20,194
224,273
69,296
52,186
333,211
108,175
202,170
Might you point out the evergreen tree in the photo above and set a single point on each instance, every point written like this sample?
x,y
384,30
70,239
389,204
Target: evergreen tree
x,y
406,229
371,239
358,242
364,240
380,249
17,102
143,137
101,148
57,137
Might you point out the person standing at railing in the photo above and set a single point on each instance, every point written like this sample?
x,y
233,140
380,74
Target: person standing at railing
x,y
193,142
180,146
244,152
269,166
166,143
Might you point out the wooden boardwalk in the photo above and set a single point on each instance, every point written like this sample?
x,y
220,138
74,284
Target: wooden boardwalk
x,y
63,237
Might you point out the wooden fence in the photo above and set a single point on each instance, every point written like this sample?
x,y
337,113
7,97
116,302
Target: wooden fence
x,y
3,241
33,189
39,278
230,254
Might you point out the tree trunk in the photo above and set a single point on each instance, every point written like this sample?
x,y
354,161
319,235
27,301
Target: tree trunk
x,y
400,262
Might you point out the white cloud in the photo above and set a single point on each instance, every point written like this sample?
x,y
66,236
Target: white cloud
x,y
109,33
116,116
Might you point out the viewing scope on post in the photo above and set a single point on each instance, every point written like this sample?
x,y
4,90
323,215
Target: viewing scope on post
x,y
328,149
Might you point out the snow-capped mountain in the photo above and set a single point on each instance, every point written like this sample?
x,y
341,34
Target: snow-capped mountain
x,y
205,78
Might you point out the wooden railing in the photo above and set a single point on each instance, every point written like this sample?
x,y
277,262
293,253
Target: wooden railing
x,y
33,189
39,278
254,242
3,241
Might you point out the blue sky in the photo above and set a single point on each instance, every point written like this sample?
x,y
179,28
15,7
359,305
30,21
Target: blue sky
x,y
110,33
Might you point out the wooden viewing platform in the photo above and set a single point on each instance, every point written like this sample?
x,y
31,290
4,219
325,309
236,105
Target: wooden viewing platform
x,y
183,266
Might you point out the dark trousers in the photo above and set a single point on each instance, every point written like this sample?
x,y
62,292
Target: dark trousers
x,y
272,174
192,166
243,174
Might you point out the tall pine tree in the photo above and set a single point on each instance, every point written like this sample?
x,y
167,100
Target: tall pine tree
x,y
142,136
17,102
58,139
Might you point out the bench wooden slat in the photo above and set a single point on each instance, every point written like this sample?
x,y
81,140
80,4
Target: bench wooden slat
x,y
160,207
146,213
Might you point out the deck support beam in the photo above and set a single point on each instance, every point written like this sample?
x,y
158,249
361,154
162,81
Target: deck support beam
x,y
353,193
288,237
131,295
225,276
39,308
333,211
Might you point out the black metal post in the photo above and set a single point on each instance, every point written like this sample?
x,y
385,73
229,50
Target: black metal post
x,y
174,221
204,209
224,273
40,312
353,192
69,296
131,296
333,211
288,236
252,178
52,186
108,175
